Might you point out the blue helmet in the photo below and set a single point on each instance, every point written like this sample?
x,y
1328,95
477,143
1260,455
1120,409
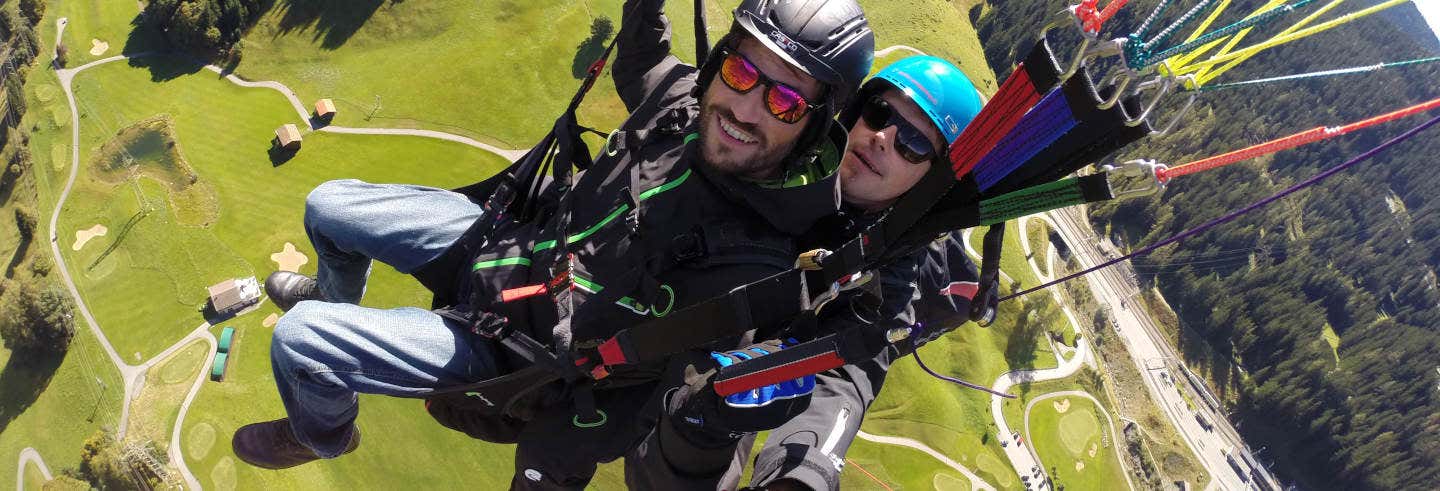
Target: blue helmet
x,y
937,86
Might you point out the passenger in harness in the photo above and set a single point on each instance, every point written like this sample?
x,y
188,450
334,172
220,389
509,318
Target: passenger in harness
x,y
706,186
907,116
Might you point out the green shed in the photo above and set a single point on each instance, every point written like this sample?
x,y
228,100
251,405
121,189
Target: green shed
x,y
217,371
226,336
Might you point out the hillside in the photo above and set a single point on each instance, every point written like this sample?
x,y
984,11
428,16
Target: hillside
x,y
1355,257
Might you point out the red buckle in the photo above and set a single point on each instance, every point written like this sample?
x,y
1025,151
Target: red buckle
x,y
611,353
518,293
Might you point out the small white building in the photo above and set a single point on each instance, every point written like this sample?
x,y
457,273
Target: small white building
x,y
231,296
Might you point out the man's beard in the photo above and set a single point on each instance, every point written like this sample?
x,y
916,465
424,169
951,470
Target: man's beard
x,y
767,161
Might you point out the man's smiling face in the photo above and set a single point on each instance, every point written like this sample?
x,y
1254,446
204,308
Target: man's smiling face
x,y
738,133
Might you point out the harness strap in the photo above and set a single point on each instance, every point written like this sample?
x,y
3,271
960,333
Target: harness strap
x,y
1045,197
1060,111
765,302
1021,90
1087,143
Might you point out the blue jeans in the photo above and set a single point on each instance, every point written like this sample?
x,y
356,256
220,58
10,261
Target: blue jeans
x,y
325,353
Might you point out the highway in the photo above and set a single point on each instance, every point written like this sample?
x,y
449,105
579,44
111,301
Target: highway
x,y
1155,357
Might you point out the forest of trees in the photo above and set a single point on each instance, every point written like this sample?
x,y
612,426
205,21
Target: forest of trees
x,y
1356,255
208,28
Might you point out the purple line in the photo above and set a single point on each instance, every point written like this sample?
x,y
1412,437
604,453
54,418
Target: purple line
x,y
1236,214
916,355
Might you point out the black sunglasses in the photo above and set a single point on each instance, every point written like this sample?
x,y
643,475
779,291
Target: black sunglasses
x,y
910,141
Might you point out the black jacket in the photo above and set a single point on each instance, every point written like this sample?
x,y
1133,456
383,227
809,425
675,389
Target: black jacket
x,y
932,288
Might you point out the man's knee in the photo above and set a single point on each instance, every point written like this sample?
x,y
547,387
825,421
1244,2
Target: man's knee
x,y
328,199
300,334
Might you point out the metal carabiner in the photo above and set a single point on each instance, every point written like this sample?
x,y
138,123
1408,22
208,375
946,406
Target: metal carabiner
x,y
1065,68
1190,97
1160,86
1140,177
819,301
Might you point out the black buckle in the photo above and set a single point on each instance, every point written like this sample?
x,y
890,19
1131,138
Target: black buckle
x,y
482,323
688,246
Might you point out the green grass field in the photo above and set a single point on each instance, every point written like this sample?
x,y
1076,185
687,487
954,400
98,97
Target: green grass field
x,y
67,412
33,479
897,467
155,408
1065,442
507,92
89,20
1039,234
261,204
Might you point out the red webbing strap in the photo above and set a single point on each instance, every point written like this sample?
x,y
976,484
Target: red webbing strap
x,y
1015,97
799,368
1030,80
1302,138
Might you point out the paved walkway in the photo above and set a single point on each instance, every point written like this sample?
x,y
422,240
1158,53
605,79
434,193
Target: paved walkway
x,y
30,455
975,481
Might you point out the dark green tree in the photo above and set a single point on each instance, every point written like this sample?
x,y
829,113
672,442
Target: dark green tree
x,y
33,10
36,319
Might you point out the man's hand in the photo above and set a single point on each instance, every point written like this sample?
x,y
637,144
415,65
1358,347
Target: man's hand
x,y
987,299
706,419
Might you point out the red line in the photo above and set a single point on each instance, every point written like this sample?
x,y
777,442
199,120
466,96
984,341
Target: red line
x,y
872,476
1284,143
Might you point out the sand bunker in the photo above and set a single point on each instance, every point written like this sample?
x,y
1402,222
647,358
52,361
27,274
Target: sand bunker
x,y
84,236
289,259
1079,466
270,320
1062,405
98,47
1094,447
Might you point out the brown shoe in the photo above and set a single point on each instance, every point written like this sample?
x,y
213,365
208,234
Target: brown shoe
x,y
272,445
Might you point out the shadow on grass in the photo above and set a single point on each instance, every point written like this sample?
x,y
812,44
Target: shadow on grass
x,y
332,21
19,256
25,376
8,182
279,156
592,47
164,68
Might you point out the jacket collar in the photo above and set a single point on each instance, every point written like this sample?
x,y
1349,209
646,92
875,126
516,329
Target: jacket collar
x,y
790,208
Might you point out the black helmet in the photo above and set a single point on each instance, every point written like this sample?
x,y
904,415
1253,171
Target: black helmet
x,y
827,39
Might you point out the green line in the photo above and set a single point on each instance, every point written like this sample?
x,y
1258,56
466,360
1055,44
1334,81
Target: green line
x,y
508,261
691,137
665,187
588,285
587,232
650,193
